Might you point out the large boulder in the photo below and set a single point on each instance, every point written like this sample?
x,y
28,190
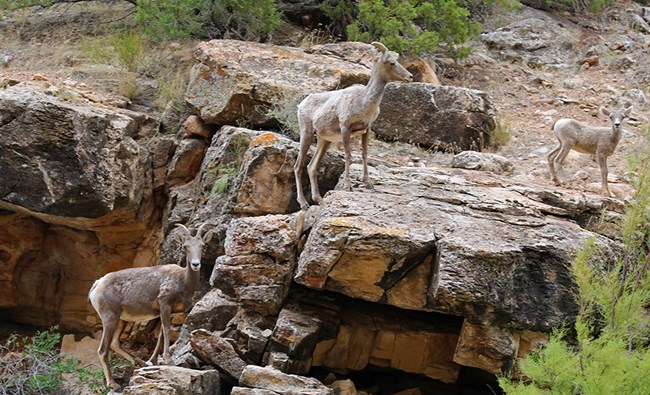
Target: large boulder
x,y
68,160
73,175
436,116
476,249
268,378
535,38
239,81
173,380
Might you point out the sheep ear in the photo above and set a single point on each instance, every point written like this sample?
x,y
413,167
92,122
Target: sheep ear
x,y
604,111
207,237
381,47
627,111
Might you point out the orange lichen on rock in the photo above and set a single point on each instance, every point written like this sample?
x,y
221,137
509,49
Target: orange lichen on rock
x,y
265,140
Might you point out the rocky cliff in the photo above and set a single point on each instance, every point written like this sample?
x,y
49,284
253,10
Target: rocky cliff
x,y
441,277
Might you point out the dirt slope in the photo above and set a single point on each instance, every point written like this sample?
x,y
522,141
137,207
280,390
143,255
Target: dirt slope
x,y
50,43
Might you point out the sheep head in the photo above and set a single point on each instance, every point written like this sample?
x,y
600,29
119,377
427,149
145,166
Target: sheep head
x,y
193,245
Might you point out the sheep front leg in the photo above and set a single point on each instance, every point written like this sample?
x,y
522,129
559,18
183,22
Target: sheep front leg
x,y
602,161
305,142
153,360
364,155
165,322
345,137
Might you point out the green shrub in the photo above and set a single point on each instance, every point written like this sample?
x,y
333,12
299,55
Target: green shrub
x,y
411,27
35,366
246,19
610,351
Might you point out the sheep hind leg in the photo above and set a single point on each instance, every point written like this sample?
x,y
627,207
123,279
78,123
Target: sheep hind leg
x,y
345,137
109,325
364,156
312,169
551,165
559,161
117,346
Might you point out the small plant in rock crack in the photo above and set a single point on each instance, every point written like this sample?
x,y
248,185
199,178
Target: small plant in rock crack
x,y
222,183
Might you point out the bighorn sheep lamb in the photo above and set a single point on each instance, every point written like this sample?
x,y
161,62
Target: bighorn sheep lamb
x,y
140,294
340,115
598,141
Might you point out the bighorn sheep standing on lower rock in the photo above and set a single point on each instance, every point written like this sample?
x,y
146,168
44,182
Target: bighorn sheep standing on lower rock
x,y
340,115
140,294
598,141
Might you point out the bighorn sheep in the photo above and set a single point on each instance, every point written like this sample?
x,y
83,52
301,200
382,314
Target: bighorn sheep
x,y
340,115
598,141
140,294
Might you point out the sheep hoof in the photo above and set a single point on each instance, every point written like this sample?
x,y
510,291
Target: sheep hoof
x,y
304,207
114,386
370,186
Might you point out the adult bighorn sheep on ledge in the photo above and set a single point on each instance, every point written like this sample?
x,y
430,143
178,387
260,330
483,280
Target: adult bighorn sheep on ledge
x,y
141,294
598,141
340,115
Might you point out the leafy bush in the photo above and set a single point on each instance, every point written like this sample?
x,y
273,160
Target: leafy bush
x,y
245,19
35,366
610,353
412,27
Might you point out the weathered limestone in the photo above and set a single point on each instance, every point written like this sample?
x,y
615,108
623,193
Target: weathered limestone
x,y
186,161
75,177
438,116
475,242
244,172
238,80
483,161
212,313
266,183
68,160
534,38
218,352
268,378
258,263
173,380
